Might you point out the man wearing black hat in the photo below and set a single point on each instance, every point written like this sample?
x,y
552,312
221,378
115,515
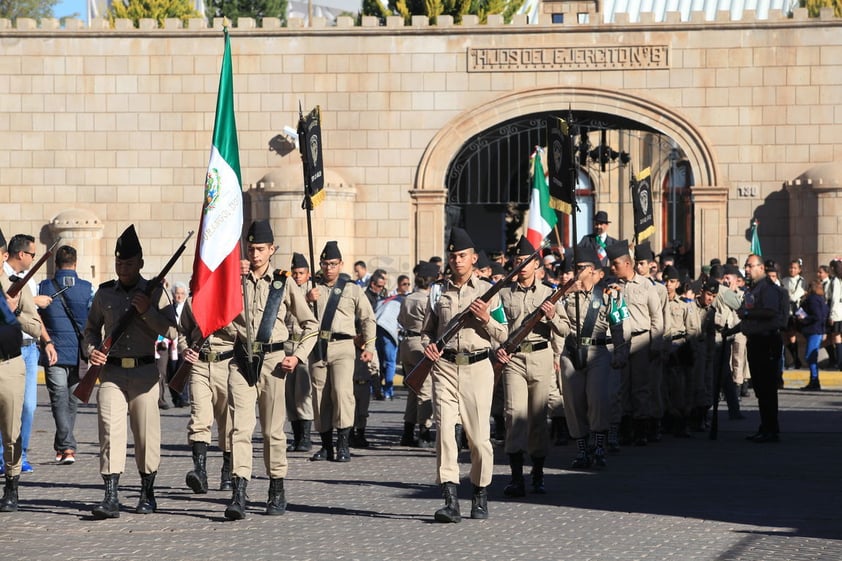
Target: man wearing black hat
x,y
268,299
129,379
17,316
419,407
299,388
463,377
342,307
527,372
646,318
599,239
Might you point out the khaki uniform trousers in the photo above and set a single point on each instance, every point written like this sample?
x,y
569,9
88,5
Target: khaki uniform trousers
x,y
365,373
419,407
12,381
636,384
333,387
589,393
739,362
269,393
132,391
526,383
555,399
299,394
209,402
678,378
463,392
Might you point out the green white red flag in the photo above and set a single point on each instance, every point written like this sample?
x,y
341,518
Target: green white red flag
x,y
216,267
542,217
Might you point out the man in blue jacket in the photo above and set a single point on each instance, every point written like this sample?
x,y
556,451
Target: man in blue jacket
x,y
64,320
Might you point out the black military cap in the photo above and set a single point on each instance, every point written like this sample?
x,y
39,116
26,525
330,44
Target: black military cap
x,y
299,261
331,251
567,266
128,245
524,247
585,254
618,249
711,286
459,240
670,273
731,270
498,269
2,239
643,252
601,217
715,261
716,272
260,231
426,269
482,260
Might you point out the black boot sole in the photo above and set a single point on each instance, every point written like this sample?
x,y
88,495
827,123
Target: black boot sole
x,y
234,513
105,514
198,485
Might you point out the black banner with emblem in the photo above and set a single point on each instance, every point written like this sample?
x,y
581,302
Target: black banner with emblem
x,y
644,223
310,144
561,166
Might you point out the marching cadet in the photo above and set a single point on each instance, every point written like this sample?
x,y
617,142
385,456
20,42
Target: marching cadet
x,y
129,379
528,372
682,326
647,330
299,388
419,408
725,304
16,314
267,301
208,397
341,306
701,388
463,377
589,365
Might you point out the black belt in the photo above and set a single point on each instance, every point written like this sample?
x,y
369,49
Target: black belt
x,y
340,337
213,356
28,342
532,347
598,341
408,333
463,359
130,362
258,347
678,336
636,333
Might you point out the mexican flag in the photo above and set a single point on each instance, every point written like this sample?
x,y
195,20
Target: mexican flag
x,y
542,217
215,284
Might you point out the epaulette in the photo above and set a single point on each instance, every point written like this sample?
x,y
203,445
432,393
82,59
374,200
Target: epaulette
x,y
109,284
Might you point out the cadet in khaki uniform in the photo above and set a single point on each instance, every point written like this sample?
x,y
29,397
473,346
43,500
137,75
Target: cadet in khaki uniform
x,y
528,372
700,391
299,389
419,408
268,298
646,319
16,314
463,377
341,305
129,380
589,366
208,397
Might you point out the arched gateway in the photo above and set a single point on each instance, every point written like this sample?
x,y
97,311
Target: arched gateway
x,y
673,134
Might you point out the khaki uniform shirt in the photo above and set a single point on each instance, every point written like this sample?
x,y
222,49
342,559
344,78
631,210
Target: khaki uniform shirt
x,y
519,301
353,308
413,308
293,302
454,299
602,327
219,341
646,311
30,321
681,320
111,302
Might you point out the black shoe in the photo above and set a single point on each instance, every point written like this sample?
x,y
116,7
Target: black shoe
x,y
479,503
812,386
343,452
515,488
9,502
581,461
408,436
110,505
450,511
357,439
296,436
225,483
237,509
305,444
276,504
146,503
325,453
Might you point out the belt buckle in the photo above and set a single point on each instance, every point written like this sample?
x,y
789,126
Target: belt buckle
x,y
324,334
212,356
526,347
128,363
585,341
462,359
257,347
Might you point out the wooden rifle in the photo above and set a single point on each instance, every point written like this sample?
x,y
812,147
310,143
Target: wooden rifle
x,y
529,323
179,379
86,385
16,286
415,379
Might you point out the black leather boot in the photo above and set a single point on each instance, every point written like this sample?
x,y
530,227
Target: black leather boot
x,y
538,476
326,451
343,451
426,439
296,435
225,475
277,504
450,511
237,509
408,436
499,432
146,503
9,503
460,437
305,444
197,478
560,433
358,439
479,503
110,505
517,487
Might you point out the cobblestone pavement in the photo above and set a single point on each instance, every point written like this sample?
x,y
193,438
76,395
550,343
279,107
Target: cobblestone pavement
x,y
680,499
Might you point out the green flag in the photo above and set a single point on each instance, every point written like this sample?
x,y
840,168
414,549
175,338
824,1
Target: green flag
x,y
755,241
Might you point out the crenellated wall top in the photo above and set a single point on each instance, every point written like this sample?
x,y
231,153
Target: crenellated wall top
x,y
418,24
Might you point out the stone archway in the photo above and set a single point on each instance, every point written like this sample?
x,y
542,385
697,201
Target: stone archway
x,y
429,193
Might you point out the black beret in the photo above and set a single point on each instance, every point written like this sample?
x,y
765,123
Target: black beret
x,y
731,270
426,269
711,286
128,245
260,231
670,273
299,261
716,271
331,251
586,254
482,260
618,249
643,252
498,269
459,240
524,247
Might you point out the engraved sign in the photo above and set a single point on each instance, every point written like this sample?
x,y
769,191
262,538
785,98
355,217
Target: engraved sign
x,y
530,59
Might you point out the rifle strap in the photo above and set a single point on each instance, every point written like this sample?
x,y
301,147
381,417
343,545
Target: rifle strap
x,y
72,318
329,313
579,353
273,304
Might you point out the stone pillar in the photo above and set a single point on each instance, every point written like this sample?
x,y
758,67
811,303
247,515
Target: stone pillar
x,y
428,227
82,230
710,224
